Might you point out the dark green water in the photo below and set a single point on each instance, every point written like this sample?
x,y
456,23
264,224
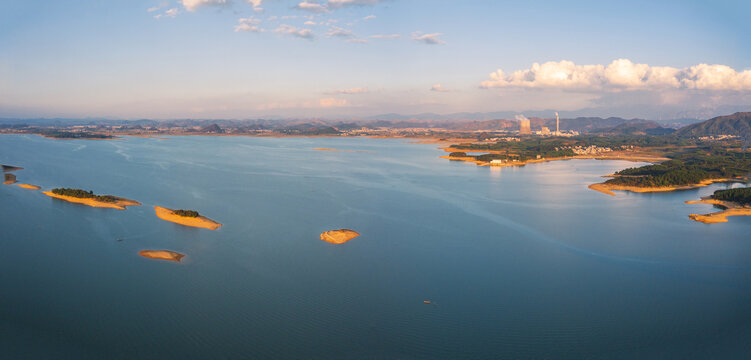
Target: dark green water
x,y
517,262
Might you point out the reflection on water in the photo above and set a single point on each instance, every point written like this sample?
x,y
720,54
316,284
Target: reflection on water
x,y
517,262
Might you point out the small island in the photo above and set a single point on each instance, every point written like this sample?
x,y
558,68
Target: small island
x,y
162,255
10,168
28,186
186,217
9,179
734,202
340,236
88,198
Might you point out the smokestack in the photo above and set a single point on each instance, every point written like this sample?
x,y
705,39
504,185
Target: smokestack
x,y
557,125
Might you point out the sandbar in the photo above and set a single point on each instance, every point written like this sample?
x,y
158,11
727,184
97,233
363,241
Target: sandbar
x,y
199,221
731,209
29,186
162,255
340,236
326,149
119,204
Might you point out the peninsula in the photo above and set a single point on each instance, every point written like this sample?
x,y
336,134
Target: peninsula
x,y
162,255
734,202
340,236
10,168
88,198
186,217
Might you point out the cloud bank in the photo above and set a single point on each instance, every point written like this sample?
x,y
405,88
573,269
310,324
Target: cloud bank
x,y
620,75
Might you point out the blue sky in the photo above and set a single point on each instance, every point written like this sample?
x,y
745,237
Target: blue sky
x,y
248,59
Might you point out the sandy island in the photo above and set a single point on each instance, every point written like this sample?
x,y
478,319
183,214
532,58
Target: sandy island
x,y
607,188
162,255
731,209
340,236
119,204
199,221
29,186
326,150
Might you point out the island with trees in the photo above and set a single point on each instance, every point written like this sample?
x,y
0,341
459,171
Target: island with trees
x,y
687,169
186,217
88,198
733,202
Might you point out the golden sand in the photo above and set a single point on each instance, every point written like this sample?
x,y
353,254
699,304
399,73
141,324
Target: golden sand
x,y
731,209
340,236
162,255
28,186
120,204
200,221
607,188
326,149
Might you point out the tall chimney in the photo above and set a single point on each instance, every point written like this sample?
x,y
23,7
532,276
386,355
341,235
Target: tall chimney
x,y
557,125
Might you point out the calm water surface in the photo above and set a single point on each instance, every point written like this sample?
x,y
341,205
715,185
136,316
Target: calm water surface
x,y
517,262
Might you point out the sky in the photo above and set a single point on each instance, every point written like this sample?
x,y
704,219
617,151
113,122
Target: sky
x,y
245,59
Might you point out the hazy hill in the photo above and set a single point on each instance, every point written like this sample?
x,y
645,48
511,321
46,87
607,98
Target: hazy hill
x,y
737,124
636,127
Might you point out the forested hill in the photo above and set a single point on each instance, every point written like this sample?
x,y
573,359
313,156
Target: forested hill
x,y
737,124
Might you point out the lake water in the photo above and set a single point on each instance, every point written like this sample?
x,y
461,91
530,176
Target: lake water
x,y
516,262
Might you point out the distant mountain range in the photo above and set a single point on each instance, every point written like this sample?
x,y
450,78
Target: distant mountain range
x,y
738,124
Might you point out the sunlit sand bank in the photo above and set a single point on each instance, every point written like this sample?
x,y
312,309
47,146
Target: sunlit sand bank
x,y
731,209
608,188
119,204
340,236
162,255
199,221
29,186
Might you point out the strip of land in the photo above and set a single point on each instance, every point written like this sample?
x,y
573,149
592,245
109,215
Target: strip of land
x,y
340,236
730,209
28,186
606,188
194,221
162,255
116,203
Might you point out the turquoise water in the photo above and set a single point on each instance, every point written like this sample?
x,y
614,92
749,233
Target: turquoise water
x,y
517,262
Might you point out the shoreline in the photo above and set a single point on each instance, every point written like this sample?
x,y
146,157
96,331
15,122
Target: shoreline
x,y
608,188
120,204
731,209
167,214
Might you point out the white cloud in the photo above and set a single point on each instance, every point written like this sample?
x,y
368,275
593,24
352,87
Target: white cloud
x,y
353,91
310,23
312,7
332,102
285,29
439,88
430,39
622,74
248,24
369,17
192,5
171,12
357,41
255,3
385,36
342,3
161,5
339,32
